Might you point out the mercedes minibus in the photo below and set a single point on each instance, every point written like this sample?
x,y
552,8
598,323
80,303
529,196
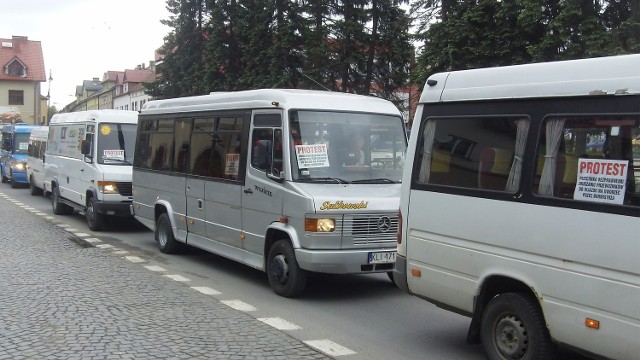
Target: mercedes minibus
x,y
285,181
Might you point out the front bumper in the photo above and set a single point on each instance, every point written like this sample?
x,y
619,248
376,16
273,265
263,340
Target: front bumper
x,y
19,177
114,208
341,261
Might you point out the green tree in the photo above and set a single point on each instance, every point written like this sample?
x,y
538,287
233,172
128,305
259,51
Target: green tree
x,y
223,54
181,67
51,110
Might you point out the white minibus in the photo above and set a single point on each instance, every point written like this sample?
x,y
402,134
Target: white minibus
x,y
35,159
88,163
520,206
285,181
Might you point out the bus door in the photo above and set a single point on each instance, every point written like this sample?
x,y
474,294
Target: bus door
x,y
262,195
222,190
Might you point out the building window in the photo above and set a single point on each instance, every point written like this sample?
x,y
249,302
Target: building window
x,y
16,97
15,68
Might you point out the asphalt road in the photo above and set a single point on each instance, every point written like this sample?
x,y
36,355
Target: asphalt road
x,y
346,317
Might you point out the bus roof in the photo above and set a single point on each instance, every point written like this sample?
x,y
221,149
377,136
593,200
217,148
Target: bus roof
x,y
275,99
19,128
612,75
108,115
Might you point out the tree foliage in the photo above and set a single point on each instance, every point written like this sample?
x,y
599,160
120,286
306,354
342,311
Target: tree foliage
x,y
481,33
357,46
367,46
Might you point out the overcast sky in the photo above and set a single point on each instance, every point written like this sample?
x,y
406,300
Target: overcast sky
x,y
82,39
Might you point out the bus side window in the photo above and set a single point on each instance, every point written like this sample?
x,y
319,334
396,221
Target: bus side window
x,y
609,139
477,153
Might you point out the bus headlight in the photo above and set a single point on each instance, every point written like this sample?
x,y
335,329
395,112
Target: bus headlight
x,y
107,187
19,166
319,225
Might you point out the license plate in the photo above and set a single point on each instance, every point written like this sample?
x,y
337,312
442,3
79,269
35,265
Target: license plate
x,y
383,257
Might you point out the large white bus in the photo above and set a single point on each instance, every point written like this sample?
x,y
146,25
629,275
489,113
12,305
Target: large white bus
x,y
88,164
285,181
520,206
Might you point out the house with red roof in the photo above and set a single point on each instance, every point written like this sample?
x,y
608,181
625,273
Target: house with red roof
x,y
21,73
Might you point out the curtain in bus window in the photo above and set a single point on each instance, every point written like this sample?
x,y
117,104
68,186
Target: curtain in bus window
x,y
425,167
516,168
554,135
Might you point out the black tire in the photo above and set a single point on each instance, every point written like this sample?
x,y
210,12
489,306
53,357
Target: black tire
x,y
285,276
33,189
4,178
513,327
167,243
58,207
14,184
95,220
390,275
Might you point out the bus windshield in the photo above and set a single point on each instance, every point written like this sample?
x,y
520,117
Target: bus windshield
x,y
21,143
116,143
338,147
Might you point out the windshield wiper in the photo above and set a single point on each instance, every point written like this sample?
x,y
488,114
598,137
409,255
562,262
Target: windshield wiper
x,y
374,181
325,179
124,161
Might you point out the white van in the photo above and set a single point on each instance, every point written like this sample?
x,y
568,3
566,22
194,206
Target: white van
x,y
35,159
285,181
88,163
520,206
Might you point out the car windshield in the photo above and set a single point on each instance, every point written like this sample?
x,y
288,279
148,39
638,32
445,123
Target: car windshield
x,y
116,143
338,147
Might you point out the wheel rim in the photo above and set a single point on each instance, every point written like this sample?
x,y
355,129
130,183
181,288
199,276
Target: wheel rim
x,y
511,337
279,268
162,235
90,214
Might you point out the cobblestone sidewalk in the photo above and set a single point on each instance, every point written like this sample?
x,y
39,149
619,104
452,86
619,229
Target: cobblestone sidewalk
x,y
62,300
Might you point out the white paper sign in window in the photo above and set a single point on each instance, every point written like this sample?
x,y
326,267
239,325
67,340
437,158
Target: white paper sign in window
x,y
601,180
232,164
312,156
116,155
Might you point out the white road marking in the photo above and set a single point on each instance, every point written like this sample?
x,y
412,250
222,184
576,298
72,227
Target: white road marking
x,y
206,290
92,240
179,278
63,225
135,259
155,268
279,323
104,246
82,235
41,214
239,305
71,229
329,347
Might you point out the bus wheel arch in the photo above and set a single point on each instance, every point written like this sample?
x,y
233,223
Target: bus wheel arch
x,y
95,220
163,233
508,321
285,275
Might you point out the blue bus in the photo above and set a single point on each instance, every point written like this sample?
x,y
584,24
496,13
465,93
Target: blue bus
x,y
13,153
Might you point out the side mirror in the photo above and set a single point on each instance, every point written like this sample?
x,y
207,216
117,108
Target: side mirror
x,y
85,148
